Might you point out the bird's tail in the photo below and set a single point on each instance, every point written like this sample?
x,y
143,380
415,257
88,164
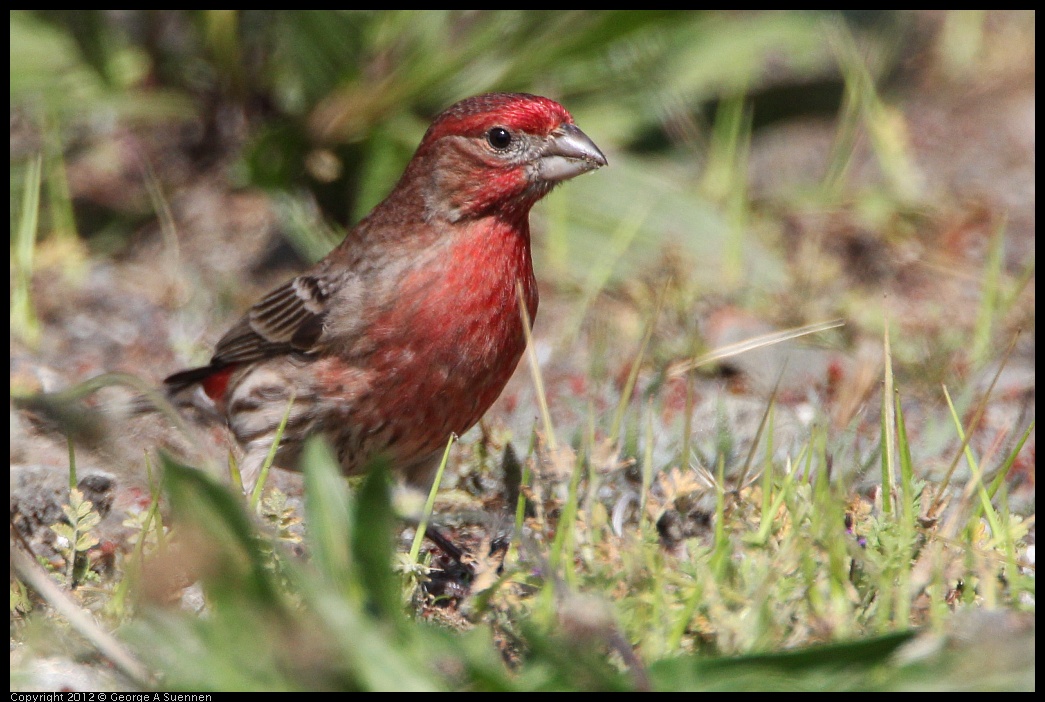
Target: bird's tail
x,y
74,417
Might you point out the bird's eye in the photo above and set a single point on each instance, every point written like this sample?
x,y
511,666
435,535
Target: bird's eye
x,y
499,138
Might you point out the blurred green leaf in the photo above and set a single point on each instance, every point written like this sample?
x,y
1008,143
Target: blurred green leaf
x,y
49,73
223,528
840,666
372,545
327,513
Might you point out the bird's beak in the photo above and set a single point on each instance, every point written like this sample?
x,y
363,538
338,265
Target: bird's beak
x,y
568,153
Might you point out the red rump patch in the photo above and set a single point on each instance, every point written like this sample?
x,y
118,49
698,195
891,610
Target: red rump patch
x,y
217,383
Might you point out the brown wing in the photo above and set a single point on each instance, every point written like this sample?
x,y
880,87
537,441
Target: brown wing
x,y
290,318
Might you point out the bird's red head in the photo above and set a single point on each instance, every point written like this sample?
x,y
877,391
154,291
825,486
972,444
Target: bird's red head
x,y
498,154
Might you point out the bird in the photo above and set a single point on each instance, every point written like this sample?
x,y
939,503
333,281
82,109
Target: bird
x,y
409,329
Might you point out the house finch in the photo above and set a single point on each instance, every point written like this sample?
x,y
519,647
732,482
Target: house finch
x,y
411,327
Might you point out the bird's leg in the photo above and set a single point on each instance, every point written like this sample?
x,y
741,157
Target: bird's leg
x,y
448,547
459,573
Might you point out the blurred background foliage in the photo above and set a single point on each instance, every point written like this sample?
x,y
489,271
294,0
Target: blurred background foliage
x,y
330,105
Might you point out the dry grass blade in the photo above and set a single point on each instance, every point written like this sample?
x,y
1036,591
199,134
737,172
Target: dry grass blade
x,y
888,426
30,573
752,344
742,477
535,370
973,426
633,374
